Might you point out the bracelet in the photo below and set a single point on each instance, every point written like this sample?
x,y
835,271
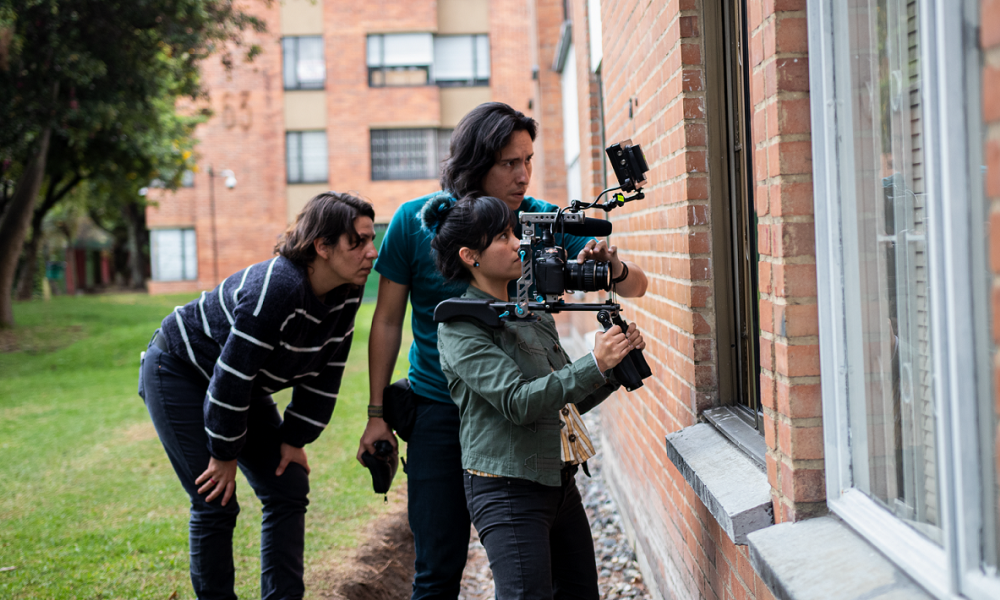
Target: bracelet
x,y
374,411
623,276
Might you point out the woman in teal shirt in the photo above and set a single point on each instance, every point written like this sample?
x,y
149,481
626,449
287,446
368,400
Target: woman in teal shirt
x,y
519,398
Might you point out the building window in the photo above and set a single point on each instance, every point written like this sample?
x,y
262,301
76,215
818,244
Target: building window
x,y
903,289
304,66
400,59
742,216
408,153
407,59
173,254
187,178
306,157
740,414
571,127
461,60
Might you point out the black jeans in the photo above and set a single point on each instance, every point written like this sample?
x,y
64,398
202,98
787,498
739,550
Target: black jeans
x,y
537,538
174,393
438,516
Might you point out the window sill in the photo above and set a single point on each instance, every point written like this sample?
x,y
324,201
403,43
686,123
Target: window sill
x,y
737,431
732,486
824,558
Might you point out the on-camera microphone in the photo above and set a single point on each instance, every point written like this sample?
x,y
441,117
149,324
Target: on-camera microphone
x,y
589,228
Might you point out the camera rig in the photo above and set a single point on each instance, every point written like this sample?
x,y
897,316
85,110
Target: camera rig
x,y
555,274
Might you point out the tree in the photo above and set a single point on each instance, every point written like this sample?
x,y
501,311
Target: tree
x,y
100,80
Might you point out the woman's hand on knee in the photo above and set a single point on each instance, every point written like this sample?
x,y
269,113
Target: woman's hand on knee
x,y
291,454
218,478
610,347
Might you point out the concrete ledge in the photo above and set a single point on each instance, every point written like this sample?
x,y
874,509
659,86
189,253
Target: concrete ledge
x,y
732,487
823,559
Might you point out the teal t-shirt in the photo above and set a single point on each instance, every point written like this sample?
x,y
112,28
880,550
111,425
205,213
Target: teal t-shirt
x,y
406,258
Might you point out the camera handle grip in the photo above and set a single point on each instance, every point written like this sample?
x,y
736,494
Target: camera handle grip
x,y
638,360
625,372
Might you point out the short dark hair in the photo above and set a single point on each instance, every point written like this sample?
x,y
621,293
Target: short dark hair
x,y
471,222
475,143
326,216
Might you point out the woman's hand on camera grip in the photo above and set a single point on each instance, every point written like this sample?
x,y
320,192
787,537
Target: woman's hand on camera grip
x,y
218,478
635,338
610,347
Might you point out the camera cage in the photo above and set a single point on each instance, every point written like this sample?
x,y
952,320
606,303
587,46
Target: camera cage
x,y
629,164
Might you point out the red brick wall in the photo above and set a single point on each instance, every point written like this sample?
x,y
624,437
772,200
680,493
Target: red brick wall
x,y
246,135
789,342
654,61
990,39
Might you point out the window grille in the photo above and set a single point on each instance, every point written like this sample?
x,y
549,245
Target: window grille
x,y
408,153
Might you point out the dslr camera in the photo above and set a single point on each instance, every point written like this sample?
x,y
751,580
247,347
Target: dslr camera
x,y
546,274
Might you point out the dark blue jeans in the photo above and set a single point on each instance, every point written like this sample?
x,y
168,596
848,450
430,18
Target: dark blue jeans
x,y
438,515
174,393
537,538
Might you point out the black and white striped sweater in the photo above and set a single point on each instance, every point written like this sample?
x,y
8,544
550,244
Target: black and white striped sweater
x,y
260,331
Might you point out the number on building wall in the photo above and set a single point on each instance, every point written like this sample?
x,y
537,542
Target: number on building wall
x,y
241,115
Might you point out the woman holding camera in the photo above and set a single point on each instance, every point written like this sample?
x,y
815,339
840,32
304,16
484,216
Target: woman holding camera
x,y
209,372
519,400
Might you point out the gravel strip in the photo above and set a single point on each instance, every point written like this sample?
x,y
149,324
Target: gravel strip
x,y
618,571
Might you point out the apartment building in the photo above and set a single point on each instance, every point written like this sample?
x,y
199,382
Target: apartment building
x,y
821,235
350,96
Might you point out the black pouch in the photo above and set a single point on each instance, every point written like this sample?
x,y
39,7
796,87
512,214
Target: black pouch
x,y
382,466
399,408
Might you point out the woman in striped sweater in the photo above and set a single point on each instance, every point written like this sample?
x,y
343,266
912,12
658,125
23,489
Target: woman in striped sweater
x,y
209,372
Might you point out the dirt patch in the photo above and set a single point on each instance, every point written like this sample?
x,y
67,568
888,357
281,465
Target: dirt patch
x,y
37,340
381,568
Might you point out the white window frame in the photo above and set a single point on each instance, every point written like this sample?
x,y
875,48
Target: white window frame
x,y
959,295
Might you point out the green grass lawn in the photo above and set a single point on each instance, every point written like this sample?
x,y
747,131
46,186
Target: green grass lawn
x,y
89,505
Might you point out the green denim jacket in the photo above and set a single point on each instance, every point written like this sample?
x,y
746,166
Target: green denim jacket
x,y
509,385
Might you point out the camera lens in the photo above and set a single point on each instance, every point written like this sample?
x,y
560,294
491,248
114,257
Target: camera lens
x,y
590,276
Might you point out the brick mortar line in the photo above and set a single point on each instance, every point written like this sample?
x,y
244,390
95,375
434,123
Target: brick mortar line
x,y
769,219
798,380
789,260
782,137
772,58
783,301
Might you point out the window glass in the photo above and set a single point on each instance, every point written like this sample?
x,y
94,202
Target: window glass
x,y
453,58
303,64
892,403
482,57
307,158
310,69
174,254
406,50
